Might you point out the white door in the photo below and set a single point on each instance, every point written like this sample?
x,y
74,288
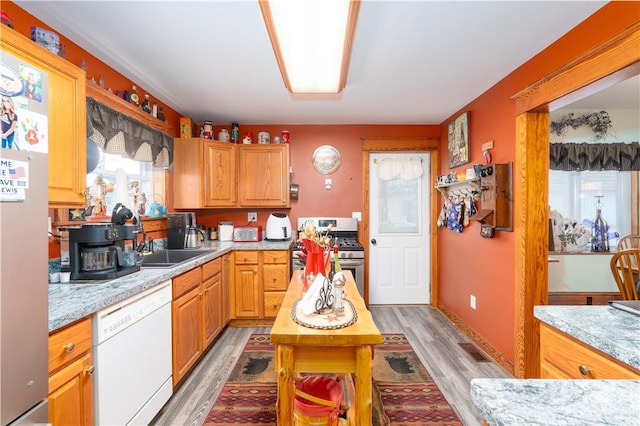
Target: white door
x,y
399,239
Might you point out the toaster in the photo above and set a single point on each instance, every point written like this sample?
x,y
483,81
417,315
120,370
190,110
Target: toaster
x,y
247,233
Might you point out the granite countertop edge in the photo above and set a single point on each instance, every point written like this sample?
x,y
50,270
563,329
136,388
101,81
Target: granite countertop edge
x,y
609,330
71,302
556,402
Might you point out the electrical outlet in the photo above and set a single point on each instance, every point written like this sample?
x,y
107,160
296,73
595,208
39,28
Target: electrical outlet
x,y
472,301
252,217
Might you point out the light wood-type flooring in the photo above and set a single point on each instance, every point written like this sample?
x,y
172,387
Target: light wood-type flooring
x,y
432,336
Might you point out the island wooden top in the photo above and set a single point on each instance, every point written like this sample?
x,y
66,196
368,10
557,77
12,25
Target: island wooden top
x,y
287,332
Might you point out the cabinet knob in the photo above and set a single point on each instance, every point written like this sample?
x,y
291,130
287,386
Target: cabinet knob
x,y
70,347
90,370
274,279
584,370
275,305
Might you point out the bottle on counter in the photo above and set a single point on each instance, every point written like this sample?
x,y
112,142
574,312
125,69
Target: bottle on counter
x,y
213,235
336,260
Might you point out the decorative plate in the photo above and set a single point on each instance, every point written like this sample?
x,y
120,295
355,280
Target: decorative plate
x,y
325,321
326,159
11,84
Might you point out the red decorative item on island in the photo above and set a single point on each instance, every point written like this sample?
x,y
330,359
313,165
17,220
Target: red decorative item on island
x,y
317,258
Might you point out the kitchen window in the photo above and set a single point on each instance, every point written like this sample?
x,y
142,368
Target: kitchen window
x,y
143,172
572,194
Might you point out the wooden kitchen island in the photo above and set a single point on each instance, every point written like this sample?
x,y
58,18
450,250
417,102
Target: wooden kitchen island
x,y
300,349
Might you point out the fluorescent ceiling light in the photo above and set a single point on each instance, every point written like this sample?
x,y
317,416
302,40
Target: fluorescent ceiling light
x,y
312,40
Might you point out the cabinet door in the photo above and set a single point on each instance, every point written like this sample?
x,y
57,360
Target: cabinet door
x,y
187,333
225,301
66,98
188,169
264,176
248,303
211,295
71,393
219,174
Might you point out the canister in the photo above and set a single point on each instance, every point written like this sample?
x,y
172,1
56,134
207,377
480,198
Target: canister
x,y
225,231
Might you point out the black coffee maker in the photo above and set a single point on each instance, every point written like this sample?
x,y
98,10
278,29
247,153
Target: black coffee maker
x,y
96,249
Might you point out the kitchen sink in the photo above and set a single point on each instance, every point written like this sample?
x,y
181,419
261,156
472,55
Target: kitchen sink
x,y
170,258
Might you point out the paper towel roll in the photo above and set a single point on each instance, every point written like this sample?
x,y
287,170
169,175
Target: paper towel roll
x,y
120,191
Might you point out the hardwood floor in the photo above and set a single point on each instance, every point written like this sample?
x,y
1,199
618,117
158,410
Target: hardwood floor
x,y
432,336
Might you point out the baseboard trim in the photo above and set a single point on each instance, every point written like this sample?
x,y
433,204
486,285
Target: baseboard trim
x,y
479,341
582,297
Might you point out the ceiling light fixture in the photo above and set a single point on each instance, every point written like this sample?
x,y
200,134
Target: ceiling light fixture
x,y
312,40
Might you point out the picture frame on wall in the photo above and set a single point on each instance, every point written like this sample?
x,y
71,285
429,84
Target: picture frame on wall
x,y
458,140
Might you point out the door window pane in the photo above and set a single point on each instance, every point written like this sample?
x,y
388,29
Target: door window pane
x,y
399,203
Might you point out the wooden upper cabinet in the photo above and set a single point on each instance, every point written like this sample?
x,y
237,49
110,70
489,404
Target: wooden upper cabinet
x,y
204,173
263,175
219,174
209,173
67,133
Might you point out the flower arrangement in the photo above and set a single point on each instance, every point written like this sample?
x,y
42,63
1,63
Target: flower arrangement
x,y
599,123
316,249
571,231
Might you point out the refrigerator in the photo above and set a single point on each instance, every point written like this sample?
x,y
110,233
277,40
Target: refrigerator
x,y
24,260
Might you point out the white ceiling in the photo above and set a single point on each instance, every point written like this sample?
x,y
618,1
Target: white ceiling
x,y
413,62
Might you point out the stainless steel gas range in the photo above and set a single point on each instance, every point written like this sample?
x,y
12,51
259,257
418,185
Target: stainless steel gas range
x,y
344,232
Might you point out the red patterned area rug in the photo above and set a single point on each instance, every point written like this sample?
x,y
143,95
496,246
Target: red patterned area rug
x,y
404,394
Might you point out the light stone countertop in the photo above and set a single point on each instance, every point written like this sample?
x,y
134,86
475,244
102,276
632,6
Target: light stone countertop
x,y
610,330
70,302
552,402
571,402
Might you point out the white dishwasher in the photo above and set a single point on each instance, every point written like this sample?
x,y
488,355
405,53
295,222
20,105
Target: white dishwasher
x,y
132,355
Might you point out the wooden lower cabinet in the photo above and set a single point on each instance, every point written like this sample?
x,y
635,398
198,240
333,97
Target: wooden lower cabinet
x,y
71,375
275,280
211,301
226,289
197,315
563,357
260,283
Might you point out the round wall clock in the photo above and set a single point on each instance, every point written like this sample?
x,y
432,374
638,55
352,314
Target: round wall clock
x,y
326,159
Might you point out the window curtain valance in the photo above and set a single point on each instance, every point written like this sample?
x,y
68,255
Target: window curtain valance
x,y
407,168
117,133
595,156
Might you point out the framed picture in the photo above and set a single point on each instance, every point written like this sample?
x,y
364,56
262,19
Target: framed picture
x,y
458,132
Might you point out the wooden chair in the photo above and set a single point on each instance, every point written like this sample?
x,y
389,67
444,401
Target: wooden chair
x,y
625,266
627,242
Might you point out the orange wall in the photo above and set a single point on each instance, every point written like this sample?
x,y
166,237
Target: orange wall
x,y
22,23
467,263
345,196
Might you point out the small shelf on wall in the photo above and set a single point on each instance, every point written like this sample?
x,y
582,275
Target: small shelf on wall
x,y
463,187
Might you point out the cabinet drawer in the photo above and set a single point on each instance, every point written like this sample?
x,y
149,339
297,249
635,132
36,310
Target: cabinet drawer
x,y
275,256
246,257
275,277
209,269
560,352
187,281
272,302
69,344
